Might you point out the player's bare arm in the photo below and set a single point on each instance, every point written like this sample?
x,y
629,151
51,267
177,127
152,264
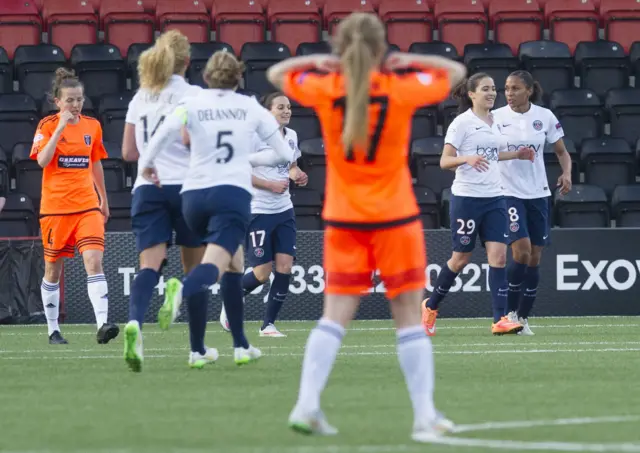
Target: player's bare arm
x,y
450,160
298,176
564,180
273,186
276,73
130,151
45,156
400,60
522,154
98,179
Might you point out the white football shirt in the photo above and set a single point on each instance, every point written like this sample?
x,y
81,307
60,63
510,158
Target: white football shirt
x,y
534,128
471,136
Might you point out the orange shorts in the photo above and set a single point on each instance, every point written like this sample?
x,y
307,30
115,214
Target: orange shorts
x,y
61,234
351,256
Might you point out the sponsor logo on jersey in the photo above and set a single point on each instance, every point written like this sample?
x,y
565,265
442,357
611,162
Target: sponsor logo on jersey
x,y
489,153
73,161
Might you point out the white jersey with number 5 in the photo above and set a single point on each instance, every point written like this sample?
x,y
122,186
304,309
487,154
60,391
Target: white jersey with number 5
x,y
222,126
147,112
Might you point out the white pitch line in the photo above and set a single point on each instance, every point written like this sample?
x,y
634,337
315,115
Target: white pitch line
x,y
536,423
536,446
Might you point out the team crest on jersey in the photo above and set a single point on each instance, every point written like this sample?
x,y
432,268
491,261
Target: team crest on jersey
x,y
87,140
514,227
465,240
259,252
292,144
537,125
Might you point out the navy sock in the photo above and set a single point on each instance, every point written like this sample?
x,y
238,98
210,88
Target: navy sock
x,y
196,291
277,295
441,288
141,293
499,289
516,277
250,282
531,280
231,290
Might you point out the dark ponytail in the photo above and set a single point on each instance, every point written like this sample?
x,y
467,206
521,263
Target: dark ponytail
x,y
531,84
461,92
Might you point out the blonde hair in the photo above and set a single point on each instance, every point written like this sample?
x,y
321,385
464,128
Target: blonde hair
x,y
168,56
223,70
360,43
63,78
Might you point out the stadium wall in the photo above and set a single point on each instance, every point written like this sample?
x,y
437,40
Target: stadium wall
x,y
584,272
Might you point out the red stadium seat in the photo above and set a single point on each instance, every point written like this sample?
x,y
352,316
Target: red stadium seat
x,y
407,21
70,22
572,21
238,21
294,21
461,22
126,22
516,21
336,10
621,21
188,16
39,4
20,24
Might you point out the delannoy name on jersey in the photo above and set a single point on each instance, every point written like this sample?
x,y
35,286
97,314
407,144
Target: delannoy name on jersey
x,y
222,114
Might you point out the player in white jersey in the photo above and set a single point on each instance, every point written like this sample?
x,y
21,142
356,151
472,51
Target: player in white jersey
x,y
216,194
156,213
473,148
523,124
272,232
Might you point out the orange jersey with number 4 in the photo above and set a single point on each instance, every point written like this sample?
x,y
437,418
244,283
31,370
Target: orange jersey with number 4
x,y
372,186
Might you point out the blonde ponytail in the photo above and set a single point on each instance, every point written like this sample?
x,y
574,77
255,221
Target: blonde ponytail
x,y
357,62
156,66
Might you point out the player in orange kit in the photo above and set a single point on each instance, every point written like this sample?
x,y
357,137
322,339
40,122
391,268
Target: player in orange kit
x,y
370,210
68,146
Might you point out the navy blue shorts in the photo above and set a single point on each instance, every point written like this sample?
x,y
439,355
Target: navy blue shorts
x,y
471,216
270,234
156,212
219,214
529,219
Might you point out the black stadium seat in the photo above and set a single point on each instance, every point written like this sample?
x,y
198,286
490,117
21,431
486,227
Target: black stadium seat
x,y
114,168
623,106
6,73
200,54
550,63
5,174
305,122
552,165
424,123
625,206
448,111
18,217
445,203
19,119
495,59
584,207
133,55
426,154
101,69
307,205
120,210
440,48
608,162
580,112
602,66
112,111
28,173
311,48
258,57
35,67
313,162
429,208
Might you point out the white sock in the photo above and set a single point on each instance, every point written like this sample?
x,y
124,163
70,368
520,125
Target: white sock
x,y
97,288
320,354
51,302
416,360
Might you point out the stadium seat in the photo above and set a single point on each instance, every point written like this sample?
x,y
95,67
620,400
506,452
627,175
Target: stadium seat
x,y
258,57
189,16
313,162
49,108
28,173
516,21
20,24
623,106
580,112
305,122
70,22
18,217
621,19
429,208
634,58
293,22
133,55
443,49
461,22
35,67
112,111
445,203
494,59
424,123
18,119
572,21
552,165
501,98
426,154
549,63
406,21
5,172
608,162
448,111
307,206
120,210
114,167
251,94
310,48
6,73
625,206
125,22
100,68
336,10
238,21
602,66
200,54
584,207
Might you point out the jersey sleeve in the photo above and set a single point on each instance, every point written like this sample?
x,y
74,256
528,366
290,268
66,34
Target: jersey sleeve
x,y
267,124
98,152
455,134
554,128
421,88
308,88
42,137
132,111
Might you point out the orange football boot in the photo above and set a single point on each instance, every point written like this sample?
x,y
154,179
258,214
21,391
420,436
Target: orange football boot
x,y
505,327
429,319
